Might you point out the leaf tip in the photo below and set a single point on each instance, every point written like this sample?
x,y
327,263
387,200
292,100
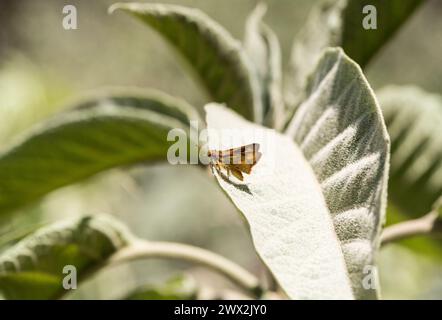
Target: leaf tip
x,y
260,10
214,105
113,8
119,6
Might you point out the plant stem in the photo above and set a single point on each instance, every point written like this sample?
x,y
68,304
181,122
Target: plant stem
x,y
411,228
142,249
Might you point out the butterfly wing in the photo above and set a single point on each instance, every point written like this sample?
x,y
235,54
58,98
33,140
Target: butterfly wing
x,y
246,154
246,164
237,160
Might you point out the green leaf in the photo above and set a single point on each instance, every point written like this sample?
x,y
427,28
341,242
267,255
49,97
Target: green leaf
x,y
414,120
33,268
281,200
177,288
140,98
341,132
262,45
339,23
216,57
361,44
105,133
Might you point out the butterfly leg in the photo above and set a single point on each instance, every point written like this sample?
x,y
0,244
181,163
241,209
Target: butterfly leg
x,y
217,168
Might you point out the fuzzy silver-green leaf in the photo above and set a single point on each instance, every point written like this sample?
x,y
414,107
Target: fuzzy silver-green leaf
x,y
341,132
283,205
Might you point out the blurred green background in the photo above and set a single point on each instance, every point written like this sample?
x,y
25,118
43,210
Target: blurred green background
x,y
43,66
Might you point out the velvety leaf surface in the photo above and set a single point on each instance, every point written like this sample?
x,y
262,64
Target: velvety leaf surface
x,y
341,132
283,204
